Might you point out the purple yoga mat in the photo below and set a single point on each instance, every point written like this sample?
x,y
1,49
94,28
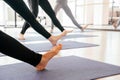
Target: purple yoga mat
x,y
66,45
62,68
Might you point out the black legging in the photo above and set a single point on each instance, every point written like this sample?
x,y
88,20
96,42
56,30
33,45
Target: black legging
x,y
20,7
13,48
45,5
33,4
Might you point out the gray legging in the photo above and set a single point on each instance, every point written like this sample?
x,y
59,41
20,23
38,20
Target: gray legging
x,y
63,4
118,22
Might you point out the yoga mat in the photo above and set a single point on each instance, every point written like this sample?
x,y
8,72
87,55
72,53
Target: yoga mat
x,y
33,38
69,36
62,68
78,36
104,29
66,45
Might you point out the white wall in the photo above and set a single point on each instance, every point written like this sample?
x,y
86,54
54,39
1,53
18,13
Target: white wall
x,y
101,12
2,13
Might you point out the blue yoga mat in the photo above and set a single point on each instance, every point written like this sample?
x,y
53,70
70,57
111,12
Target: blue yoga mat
x,y
62,68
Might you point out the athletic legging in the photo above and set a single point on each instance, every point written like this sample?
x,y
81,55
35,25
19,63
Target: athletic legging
x,y
20,7
63,4
45,5
11,47
118,22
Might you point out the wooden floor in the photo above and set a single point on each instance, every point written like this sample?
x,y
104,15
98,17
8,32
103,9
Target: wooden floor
x,y
108,50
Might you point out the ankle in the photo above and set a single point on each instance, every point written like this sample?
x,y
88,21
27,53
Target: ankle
x,y
41,65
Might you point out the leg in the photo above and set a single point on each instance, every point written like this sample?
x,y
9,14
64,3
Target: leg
x,y
69,13
116,24
56,9
13,48
45,5
47,56
20,7
33,4
48,9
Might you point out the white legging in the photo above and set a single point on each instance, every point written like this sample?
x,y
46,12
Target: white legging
x,y
63,4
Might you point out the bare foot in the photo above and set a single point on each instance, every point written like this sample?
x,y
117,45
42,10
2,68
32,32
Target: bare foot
x,y
115,25
84,27
65,32
54,39
48,56
21,37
